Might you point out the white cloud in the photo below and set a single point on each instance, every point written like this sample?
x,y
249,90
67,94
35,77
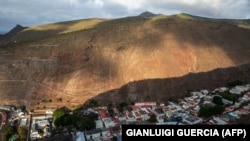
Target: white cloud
x,y
33,12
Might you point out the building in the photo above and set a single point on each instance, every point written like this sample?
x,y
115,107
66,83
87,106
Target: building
x,y
103,114
219,121
80,136
108,122
191,120
144,115
4,117
49,112
99,124
23,122
145,103
160,118
93,134
39,123
238,89
223,89
227,102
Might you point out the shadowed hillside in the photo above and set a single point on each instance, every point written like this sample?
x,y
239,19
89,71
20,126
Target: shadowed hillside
x,y
101,55
161,90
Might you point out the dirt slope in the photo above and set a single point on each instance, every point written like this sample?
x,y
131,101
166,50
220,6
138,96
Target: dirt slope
x,y
70,68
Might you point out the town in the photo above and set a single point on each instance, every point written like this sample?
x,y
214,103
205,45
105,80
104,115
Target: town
x,y
221,106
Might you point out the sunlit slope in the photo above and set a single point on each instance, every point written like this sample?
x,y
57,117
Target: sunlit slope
x,y
53,29
243,23
80,65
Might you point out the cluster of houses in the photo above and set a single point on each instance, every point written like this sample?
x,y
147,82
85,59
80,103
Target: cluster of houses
x,y
40,127
11,115
106,127
183,112
180,112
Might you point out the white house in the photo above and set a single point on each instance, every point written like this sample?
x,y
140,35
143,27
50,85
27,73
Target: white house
x,y
49,112
191,120
99,124
108,122
144,115
160,118
219,121
80,136
93,134
238,89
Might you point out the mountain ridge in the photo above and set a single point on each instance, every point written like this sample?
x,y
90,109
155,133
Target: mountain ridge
x,y
148,14
101,55
30,33
5,38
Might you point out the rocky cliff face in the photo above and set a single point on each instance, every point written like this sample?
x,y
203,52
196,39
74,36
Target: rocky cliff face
x,y
71,68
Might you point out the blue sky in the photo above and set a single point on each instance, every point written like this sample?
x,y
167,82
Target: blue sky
x,y
36,12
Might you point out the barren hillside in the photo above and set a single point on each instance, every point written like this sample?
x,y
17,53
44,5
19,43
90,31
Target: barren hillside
x,y
68,68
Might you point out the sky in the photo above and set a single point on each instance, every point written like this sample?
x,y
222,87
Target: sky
x,y
35,12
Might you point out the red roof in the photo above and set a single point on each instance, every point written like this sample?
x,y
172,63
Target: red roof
x,y
135,108
146,106
4,116
115,110
248,94
137,115
116,120
161,107
209,123
103,114
230,122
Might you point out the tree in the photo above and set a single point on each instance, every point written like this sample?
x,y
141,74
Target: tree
x,y
114,138
110,109
207,111
129,108
59,121
41,131
22,107
121,106
85,124
204,111
235,83
59,100
58,115
217,100
22,133
7,131
75,121
60,112
91,103
153,118
68,120
229,96
0,119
